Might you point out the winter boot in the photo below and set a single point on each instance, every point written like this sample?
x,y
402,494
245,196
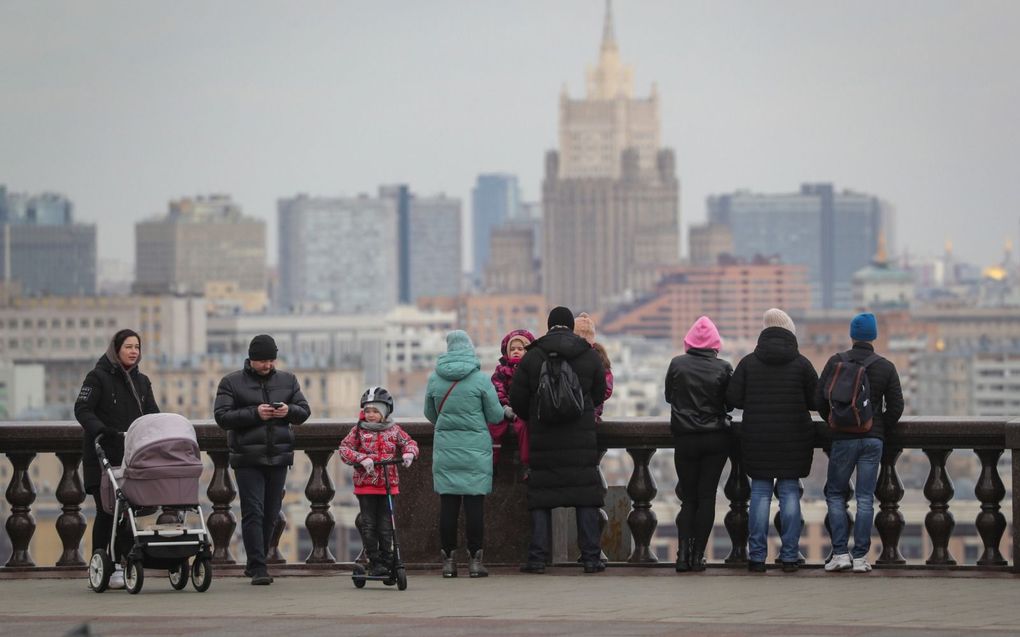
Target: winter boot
x,y
449,564
475,566
697,557
683,556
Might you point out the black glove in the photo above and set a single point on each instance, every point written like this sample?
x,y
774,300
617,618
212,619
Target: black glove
x,y
109,433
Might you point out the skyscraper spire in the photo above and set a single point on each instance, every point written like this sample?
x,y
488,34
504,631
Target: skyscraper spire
x,y
608,33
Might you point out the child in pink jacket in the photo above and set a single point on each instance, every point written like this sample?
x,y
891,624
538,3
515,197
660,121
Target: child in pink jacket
x,y
512,349
376,437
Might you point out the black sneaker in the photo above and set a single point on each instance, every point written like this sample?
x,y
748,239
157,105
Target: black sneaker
x,y
533,567
790,567
594,567
261,580
378,570
756,567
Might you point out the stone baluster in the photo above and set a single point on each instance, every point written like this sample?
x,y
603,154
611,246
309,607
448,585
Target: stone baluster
x,y
20,524
221,521
990,522
889,521
738,492
642,520
319,521
939,522
71,523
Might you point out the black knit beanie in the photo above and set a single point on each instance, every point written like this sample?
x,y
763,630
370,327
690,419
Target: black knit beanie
x,y
262,348
561,316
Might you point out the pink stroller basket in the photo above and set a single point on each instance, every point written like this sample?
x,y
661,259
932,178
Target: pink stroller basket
x,y
162,464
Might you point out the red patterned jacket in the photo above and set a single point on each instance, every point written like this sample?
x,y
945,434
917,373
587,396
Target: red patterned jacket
x,y
361,443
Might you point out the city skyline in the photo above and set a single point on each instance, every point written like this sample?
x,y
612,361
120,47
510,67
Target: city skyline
x,y
913,102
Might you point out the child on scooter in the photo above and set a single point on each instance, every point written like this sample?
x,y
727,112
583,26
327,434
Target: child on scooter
x,y
376,437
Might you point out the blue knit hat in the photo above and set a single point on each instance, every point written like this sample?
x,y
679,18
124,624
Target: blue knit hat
x,y
864,327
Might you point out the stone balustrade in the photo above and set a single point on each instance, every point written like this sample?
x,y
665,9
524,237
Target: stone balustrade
x,y
506,521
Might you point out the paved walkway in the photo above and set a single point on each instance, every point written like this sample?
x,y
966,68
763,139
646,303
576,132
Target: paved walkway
x,y
620,602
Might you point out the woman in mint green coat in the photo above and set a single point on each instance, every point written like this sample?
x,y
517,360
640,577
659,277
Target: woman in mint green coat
x,y
460,401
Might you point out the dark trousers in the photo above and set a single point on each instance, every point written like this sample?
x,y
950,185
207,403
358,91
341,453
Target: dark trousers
x,y
588,535
260,490
102,526
474,521
699,461
376,528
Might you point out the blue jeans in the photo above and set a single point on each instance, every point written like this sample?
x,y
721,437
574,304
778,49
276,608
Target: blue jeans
x,y
789,519
866,455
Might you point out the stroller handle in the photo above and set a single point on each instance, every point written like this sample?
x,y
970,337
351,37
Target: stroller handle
x,y
99,449
389,461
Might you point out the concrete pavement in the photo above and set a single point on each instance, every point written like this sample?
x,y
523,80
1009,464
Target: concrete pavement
x,y
622,601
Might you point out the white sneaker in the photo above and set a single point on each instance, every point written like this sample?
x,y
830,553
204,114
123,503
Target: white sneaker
x,y
841,562
117,577
861,565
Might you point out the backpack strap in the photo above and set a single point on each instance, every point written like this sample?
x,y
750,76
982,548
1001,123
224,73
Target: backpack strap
x,y
872,358
445,396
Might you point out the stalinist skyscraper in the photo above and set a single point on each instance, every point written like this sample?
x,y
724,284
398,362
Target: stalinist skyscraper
x,y
610,196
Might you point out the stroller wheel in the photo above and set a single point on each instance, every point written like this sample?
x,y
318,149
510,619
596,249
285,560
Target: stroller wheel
x,y
201,574
179,578
100,569
134,576
358,576
401,578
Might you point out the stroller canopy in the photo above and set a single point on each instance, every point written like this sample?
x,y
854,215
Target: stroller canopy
x,y
154,429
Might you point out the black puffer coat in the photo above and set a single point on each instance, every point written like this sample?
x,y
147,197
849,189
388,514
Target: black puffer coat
x,y
565,456
775,386
886,393
113,397
254,442
696,391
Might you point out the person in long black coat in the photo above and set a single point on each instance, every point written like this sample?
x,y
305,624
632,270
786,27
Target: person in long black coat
x,y
112,396
564,456
775,387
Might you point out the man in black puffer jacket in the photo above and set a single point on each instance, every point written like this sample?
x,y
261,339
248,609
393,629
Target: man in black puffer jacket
x,y
564,455
860,451
257,405
775,386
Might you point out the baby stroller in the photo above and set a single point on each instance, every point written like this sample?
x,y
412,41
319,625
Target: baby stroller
x,y
397,574
161,468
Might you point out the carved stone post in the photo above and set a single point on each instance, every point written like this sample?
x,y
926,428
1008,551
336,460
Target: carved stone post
x,y
319,521
939,521
71,523
738,492
20,524
990,522
221,521
889,521
642,520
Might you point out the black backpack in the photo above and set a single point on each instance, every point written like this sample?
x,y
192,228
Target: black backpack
x,y
848,393
560,399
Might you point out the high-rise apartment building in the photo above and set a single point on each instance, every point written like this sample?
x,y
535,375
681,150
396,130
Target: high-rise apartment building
x,y
610,196
512,267
435,246
495,199
338,253
834,234
43,249
200,242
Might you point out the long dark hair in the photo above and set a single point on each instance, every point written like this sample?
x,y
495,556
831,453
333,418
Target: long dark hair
x,y
123,335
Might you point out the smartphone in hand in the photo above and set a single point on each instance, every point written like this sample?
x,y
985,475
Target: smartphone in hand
x,y
279,405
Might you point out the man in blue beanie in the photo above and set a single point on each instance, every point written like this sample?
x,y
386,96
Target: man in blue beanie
x,y
858,447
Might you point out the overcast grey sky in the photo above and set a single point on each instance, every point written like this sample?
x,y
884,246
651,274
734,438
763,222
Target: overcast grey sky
x,y
125,105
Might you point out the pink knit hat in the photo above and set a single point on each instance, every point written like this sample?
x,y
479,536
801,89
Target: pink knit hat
x,y
703,335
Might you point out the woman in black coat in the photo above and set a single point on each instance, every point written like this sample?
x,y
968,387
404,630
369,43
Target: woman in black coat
x,y
696,391
775,386
113,395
